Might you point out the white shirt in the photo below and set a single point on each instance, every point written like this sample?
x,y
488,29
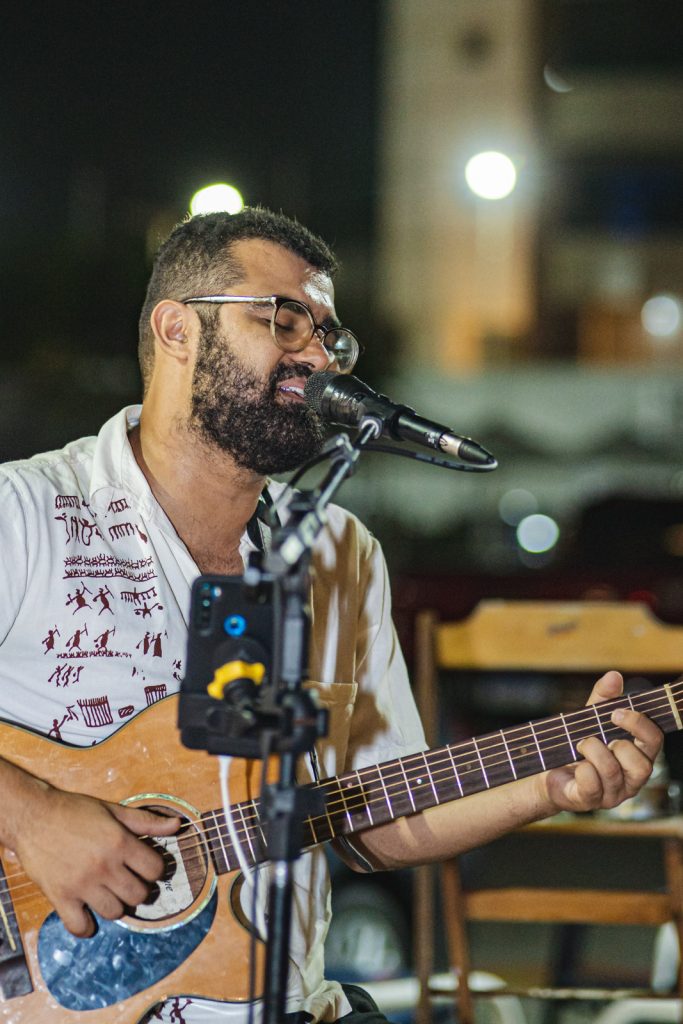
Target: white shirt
x,y
93,625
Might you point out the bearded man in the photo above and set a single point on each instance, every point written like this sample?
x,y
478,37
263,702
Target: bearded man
x,y
239,313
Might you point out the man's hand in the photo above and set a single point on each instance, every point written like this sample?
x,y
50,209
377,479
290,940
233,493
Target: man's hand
x,y
85,853
609,774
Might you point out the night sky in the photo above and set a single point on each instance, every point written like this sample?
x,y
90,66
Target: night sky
x,y
113,113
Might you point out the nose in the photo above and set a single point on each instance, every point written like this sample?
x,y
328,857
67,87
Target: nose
x,y
315,354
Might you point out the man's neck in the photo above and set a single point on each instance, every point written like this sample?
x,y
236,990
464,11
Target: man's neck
x,y
206,496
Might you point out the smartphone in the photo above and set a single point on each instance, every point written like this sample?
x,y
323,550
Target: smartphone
x,y
229,647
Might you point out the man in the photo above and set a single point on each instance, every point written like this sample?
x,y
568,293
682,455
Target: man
x,y
239,312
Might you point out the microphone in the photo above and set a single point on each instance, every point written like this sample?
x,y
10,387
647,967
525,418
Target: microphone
x,y
341,398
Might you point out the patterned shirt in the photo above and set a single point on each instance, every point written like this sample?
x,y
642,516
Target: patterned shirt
x,y
93,625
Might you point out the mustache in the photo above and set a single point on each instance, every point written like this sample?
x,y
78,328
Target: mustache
x,y
283,372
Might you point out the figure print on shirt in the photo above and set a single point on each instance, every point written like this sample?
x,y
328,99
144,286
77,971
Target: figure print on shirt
x,y
127,529
64,675
103,595
102,641
118,505
137,570
79,529
67,501
84,644
155,693
74,641
174,1011
145,612
151,644
139,597
96,711
177,667
78,598
70,716
127,711
49,640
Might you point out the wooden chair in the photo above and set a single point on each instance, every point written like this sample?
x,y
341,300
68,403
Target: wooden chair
x,y
553,636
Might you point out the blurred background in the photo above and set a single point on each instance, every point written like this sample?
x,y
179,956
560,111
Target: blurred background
x,y
503,182
532,299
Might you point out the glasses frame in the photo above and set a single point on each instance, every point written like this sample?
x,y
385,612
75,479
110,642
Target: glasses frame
x,y
277,301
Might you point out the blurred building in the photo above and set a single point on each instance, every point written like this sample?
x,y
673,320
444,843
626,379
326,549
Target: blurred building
x,y
547,323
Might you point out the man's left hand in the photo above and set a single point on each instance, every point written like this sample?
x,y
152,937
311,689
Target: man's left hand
x,y
610,773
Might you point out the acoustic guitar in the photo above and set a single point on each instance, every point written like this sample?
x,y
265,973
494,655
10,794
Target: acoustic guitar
x,y
190,938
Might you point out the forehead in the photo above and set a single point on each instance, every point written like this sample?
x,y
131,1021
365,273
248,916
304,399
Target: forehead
x,y
270,269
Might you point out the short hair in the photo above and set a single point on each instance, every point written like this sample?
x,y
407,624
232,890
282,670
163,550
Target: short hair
x,y
197,258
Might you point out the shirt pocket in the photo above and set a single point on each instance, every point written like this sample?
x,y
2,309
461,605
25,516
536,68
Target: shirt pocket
x,y
339,700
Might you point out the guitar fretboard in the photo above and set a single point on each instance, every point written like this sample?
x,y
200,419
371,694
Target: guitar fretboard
x,y
380,793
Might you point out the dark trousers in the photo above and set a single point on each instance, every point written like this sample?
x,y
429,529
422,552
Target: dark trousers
x,y
365,1009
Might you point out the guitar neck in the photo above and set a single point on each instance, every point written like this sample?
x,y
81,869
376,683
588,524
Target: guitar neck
x,y
378,794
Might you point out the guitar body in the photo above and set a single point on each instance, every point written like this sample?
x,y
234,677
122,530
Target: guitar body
x,y
191,940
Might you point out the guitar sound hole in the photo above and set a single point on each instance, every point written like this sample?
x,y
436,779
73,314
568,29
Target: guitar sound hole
x,y
185,871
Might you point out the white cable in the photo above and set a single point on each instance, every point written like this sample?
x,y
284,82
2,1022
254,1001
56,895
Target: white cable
x,y
249,871
224,762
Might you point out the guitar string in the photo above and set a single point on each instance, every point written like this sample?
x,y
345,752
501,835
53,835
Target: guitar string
x,y
477,770
364,803
200,845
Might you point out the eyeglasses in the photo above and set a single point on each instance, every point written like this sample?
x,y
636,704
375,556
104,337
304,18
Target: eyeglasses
x,y
293,327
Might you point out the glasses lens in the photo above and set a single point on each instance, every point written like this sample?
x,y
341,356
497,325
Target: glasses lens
x,y
343,347
293,326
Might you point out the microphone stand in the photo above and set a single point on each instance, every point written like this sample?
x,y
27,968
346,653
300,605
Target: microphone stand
x,y
286,568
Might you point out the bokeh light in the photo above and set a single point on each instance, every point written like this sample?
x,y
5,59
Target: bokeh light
x,y
537,533
661,316
219,198
515,504
491,175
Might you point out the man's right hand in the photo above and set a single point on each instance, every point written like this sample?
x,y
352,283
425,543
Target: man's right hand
x,y
86,853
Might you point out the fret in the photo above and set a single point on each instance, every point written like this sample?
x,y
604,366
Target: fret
x,y
246,833
507,751
525,751
330,823
443,779
261,834
408,788
599,721
569,739
389,804
214,839
674,707
455,770
469,767
538,746
367,807
483,769
314,835
431,780
346,810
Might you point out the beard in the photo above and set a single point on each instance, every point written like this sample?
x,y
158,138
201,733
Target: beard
x,y
237,412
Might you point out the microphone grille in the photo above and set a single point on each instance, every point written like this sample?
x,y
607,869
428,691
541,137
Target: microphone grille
x,y
315,388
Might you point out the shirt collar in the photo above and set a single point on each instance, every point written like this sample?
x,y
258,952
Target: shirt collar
x,y
115,469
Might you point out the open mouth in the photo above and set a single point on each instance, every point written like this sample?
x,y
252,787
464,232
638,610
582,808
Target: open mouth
x,y
292,392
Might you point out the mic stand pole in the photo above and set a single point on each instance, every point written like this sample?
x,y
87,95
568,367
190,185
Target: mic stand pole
x,y
285,805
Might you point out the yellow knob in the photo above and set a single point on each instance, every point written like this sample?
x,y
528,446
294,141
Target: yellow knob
x,y
231,671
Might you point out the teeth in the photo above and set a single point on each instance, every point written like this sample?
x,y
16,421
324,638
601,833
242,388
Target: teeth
x,y
293,388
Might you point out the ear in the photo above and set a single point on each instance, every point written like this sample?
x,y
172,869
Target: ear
x,y
172,323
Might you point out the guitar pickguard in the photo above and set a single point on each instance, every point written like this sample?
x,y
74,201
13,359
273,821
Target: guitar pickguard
x,y
116,963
